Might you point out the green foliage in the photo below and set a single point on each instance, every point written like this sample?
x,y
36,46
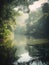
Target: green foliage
x,y
43,50
6,35
7,55
38,23
7,24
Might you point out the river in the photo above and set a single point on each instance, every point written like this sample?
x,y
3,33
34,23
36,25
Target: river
x,y
26,51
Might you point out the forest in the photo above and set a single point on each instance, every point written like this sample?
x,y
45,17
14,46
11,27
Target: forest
x,y
34,27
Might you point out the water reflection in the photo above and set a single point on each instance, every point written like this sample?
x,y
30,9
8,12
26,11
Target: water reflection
x,y
22,44
30,63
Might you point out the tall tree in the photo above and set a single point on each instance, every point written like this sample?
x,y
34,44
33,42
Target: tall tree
x,y
7,22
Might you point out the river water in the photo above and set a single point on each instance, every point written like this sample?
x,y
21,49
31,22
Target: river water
x,y
25,52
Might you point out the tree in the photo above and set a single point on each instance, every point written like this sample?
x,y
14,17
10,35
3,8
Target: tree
x,y
43,50
38,23
7,23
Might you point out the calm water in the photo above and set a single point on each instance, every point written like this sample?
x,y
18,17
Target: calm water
x,y
22,42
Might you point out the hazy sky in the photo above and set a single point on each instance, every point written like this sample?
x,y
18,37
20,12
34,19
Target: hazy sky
x,y
37,4
34,7
21,19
